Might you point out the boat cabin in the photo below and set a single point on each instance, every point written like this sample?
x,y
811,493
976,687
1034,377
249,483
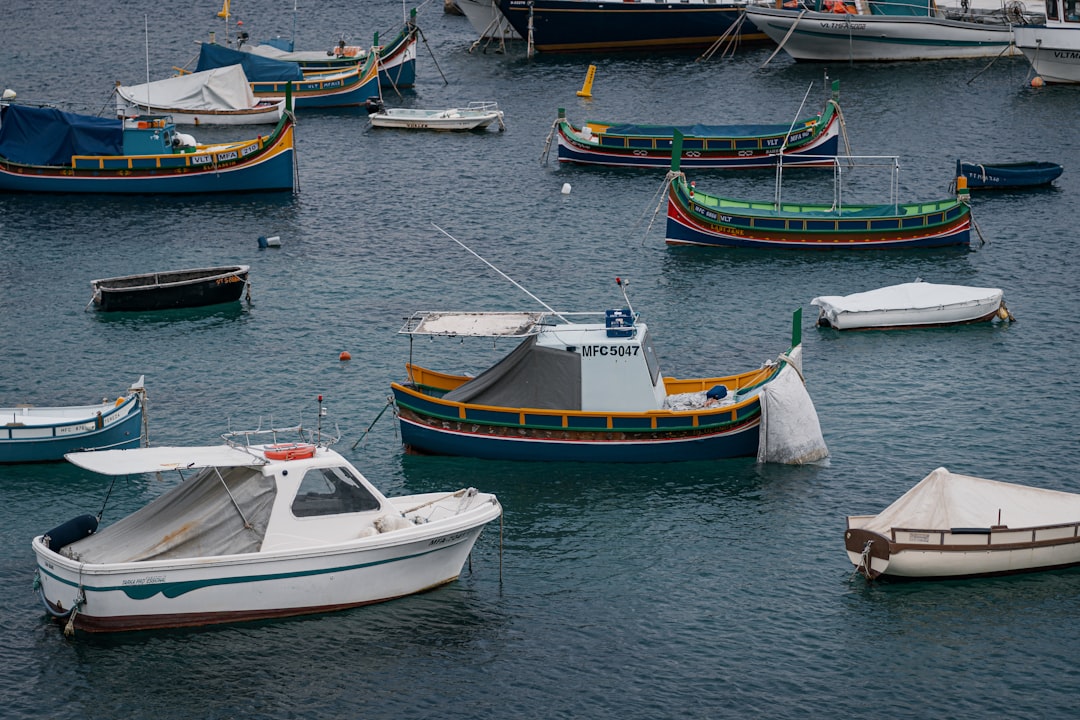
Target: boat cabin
x,y
238,501
152,135
607,366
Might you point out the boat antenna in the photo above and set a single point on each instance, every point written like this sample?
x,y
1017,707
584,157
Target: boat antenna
x,y
514,282
146,39
622,286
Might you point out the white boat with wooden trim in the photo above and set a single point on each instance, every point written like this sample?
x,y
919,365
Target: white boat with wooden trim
x,y
957,526
911,305
255,529
219,96
476,116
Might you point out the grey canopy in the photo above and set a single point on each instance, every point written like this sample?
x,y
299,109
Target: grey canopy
x,y
198,518
531,376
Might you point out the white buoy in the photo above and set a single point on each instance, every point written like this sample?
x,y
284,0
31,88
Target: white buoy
x,y
566,188
9,94
273,241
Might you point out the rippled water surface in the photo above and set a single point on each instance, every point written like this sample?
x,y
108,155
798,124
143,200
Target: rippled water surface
x,y
694,590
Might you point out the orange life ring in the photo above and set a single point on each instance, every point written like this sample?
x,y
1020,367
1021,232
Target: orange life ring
x,y
289,451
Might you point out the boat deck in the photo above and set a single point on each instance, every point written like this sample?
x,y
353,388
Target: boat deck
x,y
767,209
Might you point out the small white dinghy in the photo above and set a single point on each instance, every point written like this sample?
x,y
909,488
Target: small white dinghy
x,y
477,116
955,526
911,305
254,530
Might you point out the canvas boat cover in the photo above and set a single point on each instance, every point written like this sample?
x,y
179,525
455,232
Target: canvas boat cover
x,y
47,136
790,432
256,67
944,500
701,131
531,376
224,88
908,296
474,324
219,511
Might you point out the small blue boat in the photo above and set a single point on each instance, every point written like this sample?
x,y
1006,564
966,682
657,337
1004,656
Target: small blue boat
x,y
1007,176
44,434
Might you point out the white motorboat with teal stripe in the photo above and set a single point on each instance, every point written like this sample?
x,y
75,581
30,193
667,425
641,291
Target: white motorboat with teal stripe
x,y
253,530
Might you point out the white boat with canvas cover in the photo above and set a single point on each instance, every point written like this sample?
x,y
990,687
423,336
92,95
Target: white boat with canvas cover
x,y
477,116
221,96
911,305
259,530
954,526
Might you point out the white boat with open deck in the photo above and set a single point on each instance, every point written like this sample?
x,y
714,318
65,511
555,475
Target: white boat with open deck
x,y
954,526
476,116
257,528
911,305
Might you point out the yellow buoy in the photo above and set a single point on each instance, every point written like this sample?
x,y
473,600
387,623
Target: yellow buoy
x,y
586,89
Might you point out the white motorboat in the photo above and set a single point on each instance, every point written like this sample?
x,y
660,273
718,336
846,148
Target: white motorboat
x,y
911,305
881,30
220,96
477,116
253,530
1053,48
953,526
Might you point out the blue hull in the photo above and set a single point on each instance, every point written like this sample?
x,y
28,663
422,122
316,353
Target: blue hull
x,y
742,442
573,155
275,173
399,76
588,25
122,435
680,234
1008,176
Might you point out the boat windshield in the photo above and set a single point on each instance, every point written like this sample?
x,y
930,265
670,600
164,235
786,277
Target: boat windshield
x,y
331,491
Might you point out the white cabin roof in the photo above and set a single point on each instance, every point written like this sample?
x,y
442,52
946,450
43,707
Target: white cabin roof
x,y
474,324
157,459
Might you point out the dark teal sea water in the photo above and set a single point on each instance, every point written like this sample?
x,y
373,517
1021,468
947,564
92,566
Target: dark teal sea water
x,y
685,590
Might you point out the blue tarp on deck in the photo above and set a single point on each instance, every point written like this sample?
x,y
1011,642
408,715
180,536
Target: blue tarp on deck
x,y
47,136
256,67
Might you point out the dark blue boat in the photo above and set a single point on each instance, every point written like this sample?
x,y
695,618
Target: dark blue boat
x,y
602,25
169,290
1003,176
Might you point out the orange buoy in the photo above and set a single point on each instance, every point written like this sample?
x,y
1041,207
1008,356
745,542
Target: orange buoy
x,y
289,451
1037,81
344,355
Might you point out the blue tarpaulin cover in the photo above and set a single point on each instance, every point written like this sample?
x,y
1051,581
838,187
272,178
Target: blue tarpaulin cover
x,y
256,67
47,136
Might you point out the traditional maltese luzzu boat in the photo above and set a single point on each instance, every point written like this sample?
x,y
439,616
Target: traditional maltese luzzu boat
x,y
252,531
581,389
